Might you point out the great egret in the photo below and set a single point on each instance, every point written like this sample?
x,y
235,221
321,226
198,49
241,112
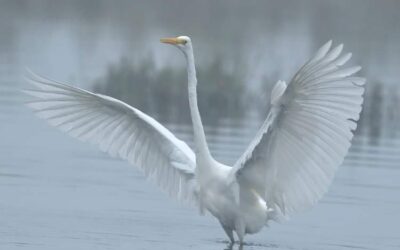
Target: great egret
x,y
286,168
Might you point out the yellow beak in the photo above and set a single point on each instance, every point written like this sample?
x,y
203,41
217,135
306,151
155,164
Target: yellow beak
x,y
172,40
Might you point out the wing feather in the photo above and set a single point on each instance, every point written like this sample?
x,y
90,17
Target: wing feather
x,y
293,158
118,129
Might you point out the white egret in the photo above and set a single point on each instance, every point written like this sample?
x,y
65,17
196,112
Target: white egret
x,y
286,168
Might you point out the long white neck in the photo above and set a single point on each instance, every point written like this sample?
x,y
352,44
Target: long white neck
x,y
199,136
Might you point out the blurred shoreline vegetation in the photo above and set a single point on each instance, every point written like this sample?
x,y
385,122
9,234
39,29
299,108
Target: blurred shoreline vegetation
x,y
163,92
380,114
224,95
272,38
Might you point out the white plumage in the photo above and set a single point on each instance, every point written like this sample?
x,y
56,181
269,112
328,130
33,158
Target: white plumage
x,y
287,167
293,158
118,129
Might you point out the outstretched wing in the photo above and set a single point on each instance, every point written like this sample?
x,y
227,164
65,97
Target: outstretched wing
x,y
118,129
293,158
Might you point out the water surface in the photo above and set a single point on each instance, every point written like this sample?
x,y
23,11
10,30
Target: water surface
x,y
59,193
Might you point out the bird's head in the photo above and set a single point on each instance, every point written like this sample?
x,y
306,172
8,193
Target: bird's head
x,y
183,43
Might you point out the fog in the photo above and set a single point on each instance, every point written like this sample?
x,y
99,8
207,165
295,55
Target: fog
x,y
77,41
57,193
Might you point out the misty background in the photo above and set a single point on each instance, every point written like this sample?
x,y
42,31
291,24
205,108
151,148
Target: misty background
x,y
242,49
56,193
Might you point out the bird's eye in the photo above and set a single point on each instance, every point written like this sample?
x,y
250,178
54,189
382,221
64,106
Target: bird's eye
x,y
184,42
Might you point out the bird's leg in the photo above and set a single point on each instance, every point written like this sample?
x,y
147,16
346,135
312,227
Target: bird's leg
x,y
229,232
240,230
241,237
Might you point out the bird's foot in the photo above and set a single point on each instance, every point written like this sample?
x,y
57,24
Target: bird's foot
x,y
230,245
